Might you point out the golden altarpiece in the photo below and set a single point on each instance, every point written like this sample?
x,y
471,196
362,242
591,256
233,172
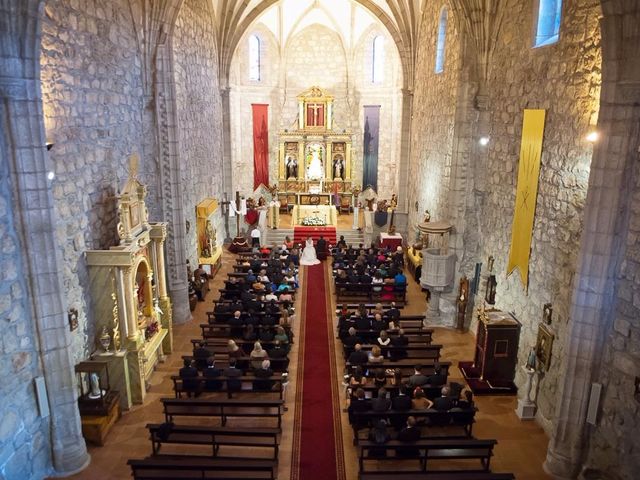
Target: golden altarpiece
x,y
314,160
129,291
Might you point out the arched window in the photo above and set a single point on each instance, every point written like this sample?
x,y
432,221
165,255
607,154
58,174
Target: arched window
x,y
442,37
377,73
254,58
548,26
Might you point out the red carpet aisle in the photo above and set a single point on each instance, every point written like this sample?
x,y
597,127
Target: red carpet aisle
x,y
317,441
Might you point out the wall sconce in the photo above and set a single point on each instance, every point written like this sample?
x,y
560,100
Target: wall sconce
x,y
593,136
73,319
49,146
484,141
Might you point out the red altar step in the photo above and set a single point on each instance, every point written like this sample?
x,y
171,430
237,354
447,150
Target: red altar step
x,y
300,234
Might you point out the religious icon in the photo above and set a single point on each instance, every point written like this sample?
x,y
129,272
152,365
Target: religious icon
x,y
338,167
315,161
427,217
544,344
73,319
292,167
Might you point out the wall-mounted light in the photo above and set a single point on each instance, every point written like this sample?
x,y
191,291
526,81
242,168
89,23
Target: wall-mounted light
x,y
51,175
484,141
592,136
49,145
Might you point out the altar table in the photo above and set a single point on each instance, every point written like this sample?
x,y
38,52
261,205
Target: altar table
x,y
300,234
328,213
392,241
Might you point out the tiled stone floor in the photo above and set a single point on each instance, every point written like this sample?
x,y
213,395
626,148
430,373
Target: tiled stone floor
x,y
521,448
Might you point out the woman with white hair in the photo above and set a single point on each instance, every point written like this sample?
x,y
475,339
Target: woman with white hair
x,y
257,355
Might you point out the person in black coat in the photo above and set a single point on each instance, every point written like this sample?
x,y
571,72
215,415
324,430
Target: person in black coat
x,y
437,379
278,351
212,372
400,343
402,402
200,355
349,342
188,374
321,248
381,403
445,402
358,357
358,404
263,381
410,433
363,322
417,379
234,384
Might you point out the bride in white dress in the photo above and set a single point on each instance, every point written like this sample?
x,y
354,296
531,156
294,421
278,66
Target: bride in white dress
x,y
309,256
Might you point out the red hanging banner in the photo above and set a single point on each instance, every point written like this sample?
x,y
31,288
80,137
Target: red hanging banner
x,y
260,144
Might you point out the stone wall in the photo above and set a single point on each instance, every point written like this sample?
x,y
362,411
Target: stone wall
x,y
612,451
199,114
570,92
316,56
434,110
93,103
25,449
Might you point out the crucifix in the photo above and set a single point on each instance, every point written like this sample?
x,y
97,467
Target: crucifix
x,y
315,107
225,214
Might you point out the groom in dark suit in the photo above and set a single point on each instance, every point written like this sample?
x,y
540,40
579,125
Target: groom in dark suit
x,y
321,248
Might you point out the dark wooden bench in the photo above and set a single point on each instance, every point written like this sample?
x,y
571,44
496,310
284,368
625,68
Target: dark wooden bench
x,y
406,366
218,330
429,450
414,351
178,386
436,476
365,291
189,467
414,333
464,418
215,437
222,408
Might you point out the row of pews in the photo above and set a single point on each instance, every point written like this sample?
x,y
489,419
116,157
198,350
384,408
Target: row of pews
x,y
225,427
444,447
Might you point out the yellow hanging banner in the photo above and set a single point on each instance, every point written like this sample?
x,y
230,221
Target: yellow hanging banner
x,y
526,193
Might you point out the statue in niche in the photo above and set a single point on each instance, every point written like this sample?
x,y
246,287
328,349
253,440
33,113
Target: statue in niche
x,y
292,167
94,382
338,167
209,243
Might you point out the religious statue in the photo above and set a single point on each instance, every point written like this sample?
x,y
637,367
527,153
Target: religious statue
x,y
292,167
427,216
463,299
209,243
94,382
315,169
338,167
531,359
394,201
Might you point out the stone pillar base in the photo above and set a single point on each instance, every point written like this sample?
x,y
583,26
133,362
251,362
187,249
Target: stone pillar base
x,y
526,410
559,466
180,301
70,459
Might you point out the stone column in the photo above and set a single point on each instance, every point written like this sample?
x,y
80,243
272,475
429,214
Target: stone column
x,y
405,151
22,140
172,198
603,235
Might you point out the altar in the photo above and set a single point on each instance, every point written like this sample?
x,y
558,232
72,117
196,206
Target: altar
x,y
314,159
314,215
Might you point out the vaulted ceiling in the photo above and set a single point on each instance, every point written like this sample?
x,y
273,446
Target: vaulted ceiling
x,y
401,18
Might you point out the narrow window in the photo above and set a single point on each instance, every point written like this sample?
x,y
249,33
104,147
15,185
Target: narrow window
x,y
254,58
442,37
377,75
548,26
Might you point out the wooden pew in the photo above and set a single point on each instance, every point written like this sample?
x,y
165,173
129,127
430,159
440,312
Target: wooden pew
x,y
218,330
436,476
419,351
406,366
183,467
215,437
277,364
222,408
429,450
464,418
178,386
365,291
